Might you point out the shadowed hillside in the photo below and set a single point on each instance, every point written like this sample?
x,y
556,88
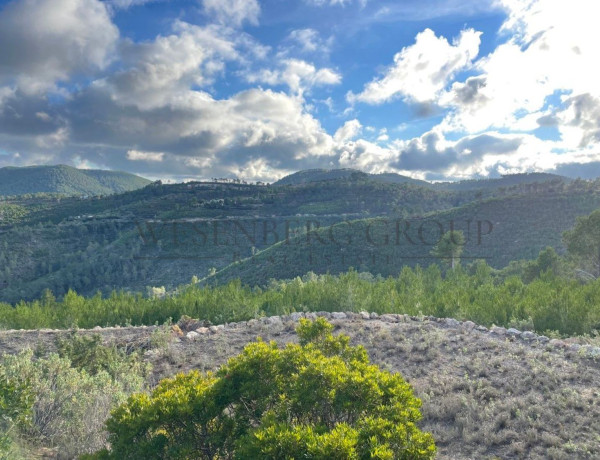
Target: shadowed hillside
x,y
66,180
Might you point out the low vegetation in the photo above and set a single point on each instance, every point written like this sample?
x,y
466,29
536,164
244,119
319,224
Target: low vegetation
x,y
62,400
545,301
320,399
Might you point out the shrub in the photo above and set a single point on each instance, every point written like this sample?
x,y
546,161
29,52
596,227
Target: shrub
x,y
319,399
48,402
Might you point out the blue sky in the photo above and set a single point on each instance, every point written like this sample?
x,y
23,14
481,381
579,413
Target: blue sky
x,y
192,89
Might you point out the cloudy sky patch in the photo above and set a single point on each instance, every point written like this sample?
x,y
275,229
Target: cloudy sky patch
x,y
260,88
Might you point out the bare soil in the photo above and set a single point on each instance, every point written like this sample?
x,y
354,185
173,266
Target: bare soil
x,y
485,396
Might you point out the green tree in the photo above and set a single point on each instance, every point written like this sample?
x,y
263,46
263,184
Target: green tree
x,y
583,243
450,247
320,399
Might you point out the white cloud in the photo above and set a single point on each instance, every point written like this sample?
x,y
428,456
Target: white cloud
x,y
306,41
551,49
136,155
421,71
232,12
45,41
348,131
159,72
297,74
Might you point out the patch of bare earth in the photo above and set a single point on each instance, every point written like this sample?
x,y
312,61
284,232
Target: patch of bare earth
x,y
485,395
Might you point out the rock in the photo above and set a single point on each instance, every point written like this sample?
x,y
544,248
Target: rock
x,y
273,320
528,335
311,315
543,339
556,343
482,328
202,330
513,332
374,315
215,329
451,322
574,347
296,316
352,315
389,318
365,315
192,335
498,330
338,315
469,325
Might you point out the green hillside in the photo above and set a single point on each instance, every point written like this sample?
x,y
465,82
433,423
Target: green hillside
x,y
105,243
498,230
319,175
66,180
509,180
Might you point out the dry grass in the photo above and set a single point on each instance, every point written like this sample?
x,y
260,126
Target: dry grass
x,y
484,397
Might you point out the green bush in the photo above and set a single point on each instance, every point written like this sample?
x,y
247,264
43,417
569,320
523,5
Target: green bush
x,y
50,402
319,399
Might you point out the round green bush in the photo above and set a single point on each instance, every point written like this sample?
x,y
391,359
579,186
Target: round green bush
x,y
319,399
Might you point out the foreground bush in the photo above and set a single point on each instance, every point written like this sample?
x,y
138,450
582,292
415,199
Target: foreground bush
x,y
320,399
58,403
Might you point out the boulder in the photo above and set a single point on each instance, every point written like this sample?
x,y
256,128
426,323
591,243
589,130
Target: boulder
x,y
192,335
513,332
498,330
528,335
338,315
451,322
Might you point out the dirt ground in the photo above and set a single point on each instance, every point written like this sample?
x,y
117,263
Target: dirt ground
x,y
486,394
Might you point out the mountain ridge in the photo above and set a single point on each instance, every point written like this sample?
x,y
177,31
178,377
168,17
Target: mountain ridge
x,y
66,180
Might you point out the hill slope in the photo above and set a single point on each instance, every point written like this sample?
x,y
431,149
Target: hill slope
x,y
66,180
509,180
319,175
485,395
500,230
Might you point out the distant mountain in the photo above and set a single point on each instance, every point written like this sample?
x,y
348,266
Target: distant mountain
x,y
508,180
320,175
66,180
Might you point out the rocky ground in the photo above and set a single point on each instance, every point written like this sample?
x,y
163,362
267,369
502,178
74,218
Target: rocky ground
x,y
487,394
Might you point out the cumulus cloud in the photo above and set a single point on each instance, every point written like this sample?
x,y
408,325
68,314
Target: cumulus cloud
x,y
550,50
348,131
233,12
45,41
421,71
160,110
157,72
297,74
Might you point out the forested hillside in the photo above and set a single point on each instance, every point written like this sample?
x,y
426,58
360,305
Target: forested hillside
x,y
66,180
498,230
162,235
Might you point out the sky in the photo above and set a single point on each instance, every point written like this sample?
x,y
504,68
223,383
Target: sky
x,y
257,89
